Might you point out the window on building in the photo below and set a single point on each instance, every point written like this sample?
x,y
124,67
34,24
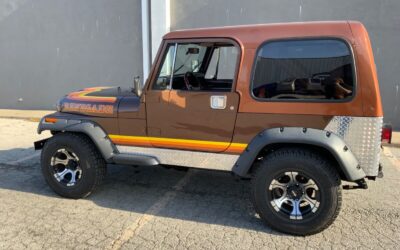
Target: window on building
x,y
318,69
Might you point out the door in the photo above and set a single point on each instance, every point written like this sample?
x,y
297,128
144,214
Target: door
x,y
191,103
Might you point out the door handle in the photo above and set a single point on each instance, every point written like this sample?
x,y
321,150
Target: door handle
x,y
218,101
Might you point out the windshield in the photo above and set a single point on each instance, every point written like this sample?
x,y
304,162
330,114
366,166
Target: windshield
x,y
189,58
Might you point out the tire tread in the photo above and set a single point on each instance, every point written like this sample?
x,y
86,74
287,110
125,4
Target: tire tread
x,y
94,157
298,153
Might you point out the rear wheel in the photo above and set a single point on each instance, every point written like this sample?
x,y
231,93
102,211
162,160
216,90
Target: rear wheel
x,y
72,165
296,191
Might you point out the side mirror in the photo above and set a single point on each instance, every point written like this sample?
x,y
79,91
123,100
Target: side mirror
x,y
137,86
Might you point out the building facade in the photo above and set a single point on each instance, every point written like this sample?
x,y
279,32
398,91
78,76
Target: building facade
x,y
49,48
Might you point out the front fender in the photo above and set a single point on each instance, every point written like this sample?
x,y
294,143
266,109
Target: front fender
x,y
295,135
89,128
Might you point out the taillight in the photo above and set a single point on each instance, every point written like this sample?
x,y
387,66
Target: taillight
x,y
387,133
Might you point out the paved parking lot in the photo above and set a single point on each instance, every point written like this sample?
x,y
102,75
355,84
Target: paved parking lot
x,y
139,208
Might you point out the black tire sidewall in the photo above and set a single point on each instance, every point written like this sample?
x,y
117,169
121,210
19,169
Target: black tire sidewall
x,y
73,144
310,167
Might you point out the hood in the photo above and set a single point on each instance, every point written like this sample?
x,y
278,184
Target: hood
x,y
96,101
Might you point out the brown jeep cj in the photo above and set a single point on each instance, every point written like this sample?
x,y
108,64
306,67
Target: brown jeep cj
x,y
295,107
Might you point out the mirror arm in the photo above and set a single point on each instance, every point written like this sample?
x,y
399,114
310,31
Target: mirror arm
x,y
137,86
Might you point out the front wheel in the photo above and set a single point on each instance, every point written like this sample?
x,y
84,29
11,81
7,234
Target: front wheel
x,y
72,165
296,191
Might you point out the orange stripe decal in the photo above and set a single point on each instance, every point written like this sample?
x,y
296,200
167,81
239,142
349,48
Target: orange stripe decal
x,y
178,143
83,95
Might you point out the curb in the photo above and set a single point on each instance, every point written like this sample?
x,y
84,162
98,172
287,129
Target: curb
x,y
31,119
391,145
30,115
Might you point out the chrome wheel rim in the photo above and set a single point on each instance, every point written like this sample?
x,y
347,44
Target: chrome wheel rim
x,y
294,195
66,167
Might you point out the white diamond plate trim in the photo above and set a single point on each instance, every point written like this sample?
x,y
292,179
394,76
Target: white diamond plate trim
x,y
363,136
204,160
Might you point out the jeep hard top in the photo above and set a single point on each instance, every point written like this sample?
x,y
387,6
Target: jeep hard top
x,y
294,107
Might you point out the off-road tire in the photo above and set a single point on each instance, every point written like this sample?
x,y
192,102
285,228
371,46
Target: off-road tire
x,y
316,167
91,162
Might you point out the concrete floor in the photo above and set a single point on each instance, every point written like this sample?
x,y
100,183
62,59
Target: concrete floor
x,y
158,208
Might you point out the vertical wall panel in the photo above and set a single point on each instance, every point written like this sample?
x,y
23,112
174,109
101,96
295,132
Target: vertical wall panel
x,y
49,48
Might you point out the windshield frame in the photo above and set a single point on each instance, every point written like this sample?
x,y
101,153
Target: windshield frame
x,y
173,42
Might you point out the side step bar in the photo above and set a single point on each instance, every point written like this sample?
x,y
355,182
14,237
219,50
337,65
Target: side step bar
x,y
131,159
361,184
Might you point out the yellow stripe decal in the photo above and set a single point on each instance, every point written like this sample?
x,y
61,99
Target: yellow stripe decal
x,y
178,142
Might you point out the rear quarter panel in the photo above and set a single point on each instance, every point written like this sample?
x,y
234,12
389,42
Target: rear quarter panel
x,y
254,116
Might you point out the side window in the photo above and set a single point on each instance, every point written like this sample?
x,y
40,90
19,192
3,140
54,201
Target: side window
x,y
198,66
317,69
222,64
164,75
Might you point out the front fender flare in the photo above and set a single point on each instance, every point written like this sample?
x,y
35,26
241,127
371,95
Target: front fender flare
x,y
348,163
89,128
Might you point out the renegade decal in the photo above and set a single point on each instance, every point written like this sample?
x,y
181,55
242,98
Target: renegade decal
x,y
83,95
178,143
89,108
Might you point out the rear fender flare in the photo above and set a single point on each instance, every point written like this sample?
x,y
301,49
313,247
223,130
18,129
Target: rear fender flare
x,y
348,163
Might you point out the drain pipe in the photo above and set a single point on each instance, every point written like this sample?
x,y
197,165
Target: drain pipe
x,y
160,23
146,38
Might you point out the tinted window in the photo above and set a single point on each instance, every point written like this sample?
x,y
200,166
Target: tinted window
x,y
308,69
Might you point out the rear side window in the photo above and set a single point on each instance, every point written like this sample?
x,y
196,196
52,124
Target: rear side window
x,y
317,69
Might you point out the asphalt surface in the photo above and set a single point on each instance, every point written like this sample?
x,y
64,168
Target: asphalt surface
x,y
158,208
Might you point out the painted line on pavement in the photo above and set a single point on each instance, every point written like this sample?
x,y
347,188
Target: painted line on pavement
x,y
150,213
